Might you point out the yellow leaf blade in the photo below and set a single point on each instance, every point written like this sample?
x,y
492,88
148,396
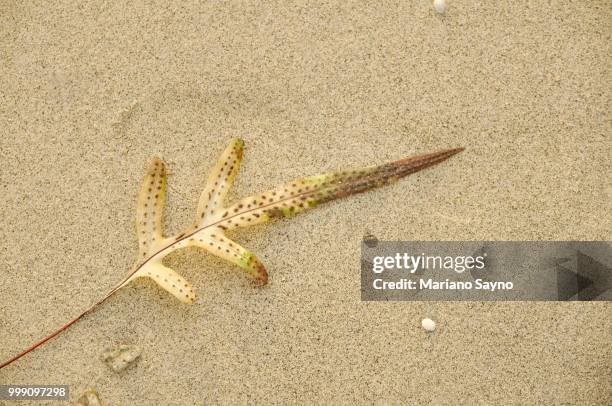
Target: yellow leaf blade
x,y
149,209
168,280
219,245
220,180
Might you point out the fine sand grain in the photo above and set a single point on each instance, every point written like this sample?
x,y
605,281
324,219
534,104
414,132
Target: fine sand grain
x,y
90,91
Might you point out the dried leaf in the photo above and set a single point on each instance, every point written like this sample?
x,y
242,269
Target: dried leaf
x,y
214,217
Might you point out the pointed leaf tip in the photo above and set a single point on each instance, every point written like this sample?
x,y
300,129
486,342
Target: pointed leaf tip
x,y
409,165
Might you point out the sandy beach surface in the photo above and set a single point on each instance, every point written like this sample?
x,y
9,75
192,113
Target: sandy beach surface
x,y
89,91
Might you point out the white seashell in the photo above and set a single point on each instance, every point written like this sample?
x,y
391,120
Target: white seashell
x,y
428,324
440,6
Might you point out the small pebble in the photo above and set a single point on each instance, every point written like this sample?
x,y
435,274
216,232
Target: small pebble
x,y
440,6
370,240
89,398
428,324
121,357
